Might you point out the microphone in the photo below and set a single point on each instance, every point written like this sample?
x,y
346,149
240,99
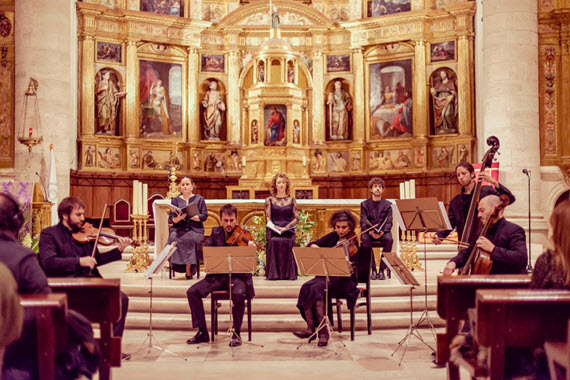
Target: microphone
x,y
525,171
43,186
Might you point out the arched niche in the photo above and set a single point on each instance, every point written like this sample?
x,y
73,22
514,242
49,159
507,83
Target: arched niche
x,y
109,90
213,107
443,102
338,110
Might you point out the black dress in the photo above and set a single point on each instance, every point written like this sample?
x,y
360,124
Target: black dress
x,y
280,263
339,287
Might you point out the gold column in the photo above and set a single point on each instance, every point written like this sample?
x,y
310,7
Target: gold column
x,y
193,101
358,98
233,98
318,99
564,80
421,114
87,84
132,89
464,92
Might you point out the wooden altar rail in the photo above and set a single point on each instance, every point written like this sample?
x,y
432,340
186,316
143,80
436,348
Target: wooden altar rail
x,y
456,294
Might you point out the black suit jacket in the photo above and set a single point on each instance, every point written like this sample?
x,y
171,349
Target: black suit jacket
x,y
59,254
376,212
509,255
218,239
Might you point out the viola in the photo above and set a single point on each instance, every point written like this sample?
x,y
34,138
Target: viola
x,y
479,261
241,237
88,233
348,242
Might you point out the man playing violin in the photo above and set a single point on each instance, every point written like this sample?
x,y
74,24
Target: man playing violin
x,y
504,241
242,283
62,256
376,211
311,301
459,205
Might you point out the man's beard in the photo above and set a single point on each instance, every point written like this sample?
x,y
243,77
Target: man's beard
x,y
75,227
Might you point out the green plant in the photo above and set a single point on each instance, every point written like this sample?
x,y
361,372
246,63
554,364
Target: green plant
x,y
304,229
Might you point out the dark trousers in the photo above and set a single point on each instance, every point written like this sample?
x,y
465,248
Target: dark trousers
x,y
385,242
211,283
119,327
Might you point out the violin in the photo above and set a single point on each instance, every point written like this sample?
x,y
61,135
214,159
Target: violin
x,y
241,237
479,261
88,233
348,242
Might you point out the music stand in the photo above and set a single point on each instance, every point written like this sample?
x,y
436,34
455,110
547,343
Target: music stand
x,y
422,215
405,277
228,260
153,269
322,262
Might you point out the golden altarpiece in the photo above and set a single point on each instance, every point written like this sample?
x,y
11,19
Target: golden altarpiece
x,y
315,89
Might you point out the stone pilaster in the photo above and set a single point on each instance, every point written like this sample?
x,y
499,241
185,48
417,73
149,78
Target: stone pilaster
x,y
132,81
421,114
193,105
233,98
318,128
358,117
464,90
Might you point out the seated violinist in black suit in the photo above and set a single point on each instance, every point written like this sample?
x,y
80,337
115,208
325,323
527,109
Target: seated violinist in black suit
x,y
311,301
242,283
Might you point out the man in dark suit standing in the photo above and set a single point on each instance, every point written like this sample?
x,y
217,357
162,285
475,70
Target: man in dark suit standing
x,y
241,287
376,210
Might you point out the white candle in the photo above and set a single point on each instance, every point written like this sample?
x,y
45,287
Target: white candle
x,y
243,161
402,192
413,188
407,189
304,160
145,198
136,200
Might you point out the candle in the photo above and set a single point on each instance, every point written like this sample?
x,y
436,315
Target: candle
x,y
413,188
402,192
304,160
136,197
243,161
144,199
407,189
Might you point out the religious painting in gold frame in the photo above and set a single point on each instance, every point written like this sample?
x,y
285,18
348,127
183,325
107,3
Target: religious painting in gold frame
x,y
376,8
109,52
163,7
442,51
212,63
338,63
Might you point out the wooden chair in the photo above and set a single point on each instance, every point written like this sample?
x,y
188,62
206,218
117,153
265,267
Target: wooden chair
x,y
455,295
99,300
120,219
518,318
215,298
49,311
558,354
363,275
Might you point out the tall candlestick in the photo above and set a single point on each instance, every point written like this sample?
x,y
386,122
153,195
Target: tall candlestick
x,y
413,188
402,191
144,199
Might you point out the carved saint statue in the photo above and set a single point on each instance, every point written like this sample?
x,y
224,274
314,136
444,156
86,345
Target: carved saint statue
x,y
213,107
108,97
444,101
339,108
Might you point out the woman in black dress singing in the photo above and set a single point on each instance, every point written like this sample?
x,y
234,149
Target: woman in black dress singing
x,y
311,301
187,231
282,215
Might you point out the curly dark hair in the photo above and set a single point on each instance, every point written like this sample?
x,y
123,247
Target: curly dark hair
x,y
343,216
465,165
67,205
376,181
228,209
274,184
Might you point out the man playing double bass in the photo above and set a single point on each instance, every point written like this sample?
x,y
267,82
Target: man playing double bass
x,y
241,287
504,241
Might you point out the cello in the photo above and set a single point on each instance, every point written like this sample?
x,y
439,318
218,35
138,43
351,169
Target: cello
x,y
471,220
479,261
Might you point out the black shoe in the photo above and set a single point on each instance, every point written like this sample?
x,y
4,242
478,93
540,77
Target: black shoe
x,y
235,341
373,276
125,356
303,334
189,277
200,337
381,275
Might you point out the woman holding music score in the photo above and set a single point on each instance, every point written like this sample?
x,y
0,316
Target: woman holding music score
x,y
459,205
311,301
187,231
281,210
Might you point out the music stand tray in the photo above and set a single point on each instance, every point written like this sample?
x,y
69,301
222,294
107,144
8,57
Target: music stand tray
x,y
322,262
405,277
422,215
228,260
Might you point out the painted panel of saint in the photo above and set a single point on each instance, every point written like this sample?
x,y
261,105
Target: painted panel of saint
x,y
442,51
443,157
108,107
275,117
393,159
387,7
109,158
339,112
391,102
161,160
443,104
338,162
163,7
109,52
212,63
338,63
160,91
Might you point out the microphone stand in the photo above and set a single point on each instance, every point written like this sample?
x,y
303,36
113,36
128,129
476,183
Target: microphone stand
x,y
529,267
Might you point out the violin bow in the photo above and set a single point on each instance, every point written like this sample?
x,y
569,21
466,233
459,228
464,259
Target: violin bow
x,y
98,233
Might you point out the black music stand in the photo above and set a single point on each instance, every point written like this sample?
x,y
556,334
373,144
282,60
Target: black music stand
x,y
228,260
422,215
325,262
405,277
153,269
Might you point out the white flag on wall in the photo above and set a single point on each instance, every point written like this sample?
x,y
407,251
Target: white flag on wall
x,y
52,187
